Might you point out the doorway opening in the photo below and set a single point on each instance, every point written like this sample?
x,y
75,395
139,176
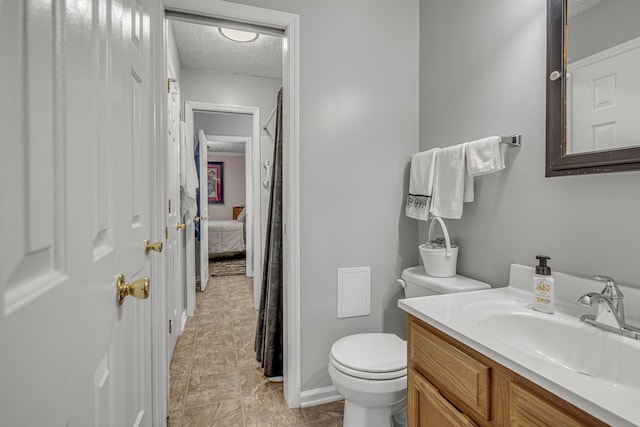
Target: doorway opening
x,y
286,24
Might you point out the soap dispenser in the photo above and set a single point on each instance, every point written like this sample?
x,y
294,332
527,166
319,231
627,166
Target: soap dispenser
x,y
543,287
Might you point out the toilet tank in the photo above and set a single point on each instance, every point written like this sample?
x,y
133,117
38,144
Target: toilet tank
x,y
417,283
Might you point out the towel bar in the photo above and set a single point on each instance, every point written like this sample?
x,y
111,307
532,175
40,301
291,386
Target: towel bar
x,y
512,141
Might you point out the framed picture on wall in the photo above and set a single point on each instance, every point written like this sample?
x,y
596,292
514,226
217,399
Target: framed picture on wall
x,y
215,186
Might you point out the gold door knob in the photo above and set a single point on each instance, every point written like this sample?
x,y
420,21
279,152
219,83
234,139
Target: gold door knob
x,y
148,247
181,226
196,219
138,289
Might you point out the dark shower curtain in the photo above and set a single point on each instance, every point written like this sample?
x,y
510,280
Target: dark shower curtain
x,y
269,332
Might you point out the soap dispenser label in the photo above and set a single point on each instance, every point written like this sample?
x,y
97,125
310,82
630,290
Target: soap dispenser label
x,y
543,294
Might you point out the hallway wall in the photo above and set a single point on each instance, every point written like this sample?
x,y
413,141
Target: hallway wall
x,y
358,129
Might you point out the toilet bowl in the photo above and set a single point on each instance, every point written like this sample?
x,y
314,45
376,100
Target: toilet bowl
x,y
370,370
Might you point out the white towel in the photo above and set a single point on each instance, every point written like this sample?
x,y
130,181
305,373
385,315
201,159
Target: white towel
x,y
421,184
485,156
449,192
188,176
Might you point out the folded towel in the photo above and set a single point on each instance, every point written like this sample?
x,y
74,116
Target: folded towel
x,y
485,156
448,193
421,184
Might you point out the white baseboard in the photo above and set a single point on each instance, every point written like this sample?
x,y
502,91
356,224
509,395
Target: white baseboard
x,y
319,396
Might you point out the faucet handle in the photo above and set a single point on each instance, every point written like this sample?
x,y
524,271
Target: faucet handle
x,y
611,288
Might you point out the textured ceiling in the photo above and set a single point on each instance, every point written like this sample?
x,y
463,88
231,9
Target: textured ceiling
x,y
579,6
215,146
202,47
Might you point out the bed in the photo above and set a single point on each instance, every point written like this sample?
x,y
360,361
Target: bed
x,y
226,236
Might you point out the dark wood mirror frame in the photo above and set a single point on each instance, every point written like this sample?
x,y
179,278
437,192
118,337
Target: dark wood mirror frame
x,y
559,163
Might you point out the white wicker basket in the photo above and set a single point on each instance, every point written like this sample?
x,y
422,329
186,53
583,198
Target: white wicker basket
x,y
439,262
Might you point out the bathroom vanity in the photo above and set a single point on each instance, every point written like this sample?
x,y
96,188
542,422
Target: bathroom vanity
x,y
450,384
486,358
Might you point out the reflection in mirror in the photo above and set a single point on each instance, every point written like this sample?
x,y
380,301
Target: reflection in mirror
x,y
603,75
593,86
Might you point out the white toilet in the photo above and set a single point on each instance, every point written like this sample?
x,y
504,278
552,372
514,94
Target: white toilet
x,y
370,370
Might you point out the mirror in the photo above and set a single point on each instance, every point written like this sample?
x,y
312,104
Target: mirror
x,y
593,86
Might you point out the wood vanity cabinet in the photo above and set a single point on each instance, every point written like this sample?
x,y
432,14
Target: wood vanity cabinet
x,y
450,384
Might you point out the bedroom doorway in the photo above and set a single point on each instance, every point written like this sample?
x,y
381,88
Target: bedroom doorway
x,y
253,224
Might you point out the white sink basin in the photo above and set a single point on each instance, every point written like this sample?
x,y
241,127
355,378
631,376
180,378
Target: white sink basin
x,y
564,341
594,370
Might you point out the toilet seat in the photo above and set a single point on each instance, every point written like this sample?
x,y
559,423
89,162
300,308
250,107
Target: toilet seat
x,y
379,376
372,356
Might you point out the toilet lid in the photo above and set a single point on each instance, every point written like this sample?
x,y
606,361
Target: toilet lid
x,y
375,352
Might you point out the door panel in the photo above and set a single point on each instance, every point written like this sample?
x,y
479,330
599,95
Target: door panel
x,y
204,214
174,272
74,185
190,237
603,100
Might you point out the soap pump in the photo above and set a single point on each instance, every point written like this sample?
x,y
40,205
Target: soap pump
x,y
543,287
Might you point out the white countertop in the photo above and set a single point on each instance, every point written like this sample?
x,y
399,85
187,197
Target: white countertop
x,y
460,316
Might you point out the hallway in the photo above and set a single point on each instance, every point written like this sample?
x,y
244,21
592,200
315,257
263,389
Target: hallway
x,y
215,379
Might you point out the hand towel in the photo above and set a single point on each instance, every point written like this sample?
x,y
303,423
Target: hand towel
x,y
485,156
421,184
448,193
188,176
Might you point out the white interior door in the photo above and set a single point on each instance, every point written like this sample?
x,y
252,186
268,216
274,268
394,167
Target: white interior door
x,y
174,220
204,214
605,99
74,185
190,238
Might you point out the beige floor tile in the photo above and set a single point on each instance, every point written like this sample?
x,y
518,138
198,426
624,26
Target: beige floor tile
x,y
252,382
334,422
180,368
175,418
208,387
226,413
270,409
192,323
177,389
324,412
215,377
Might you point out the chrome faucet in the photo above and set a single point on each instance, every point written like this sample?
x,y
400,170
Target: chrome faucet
x,y
610,315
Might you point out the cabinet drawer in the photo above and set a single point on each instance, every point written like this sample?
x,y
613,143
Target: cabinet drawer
x,y
527,408
458,375
428,408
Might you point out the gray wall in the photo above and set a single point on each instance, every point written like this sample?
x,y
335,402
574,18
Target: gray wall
x,y
231,89
605,25
223,124
358,129
482,72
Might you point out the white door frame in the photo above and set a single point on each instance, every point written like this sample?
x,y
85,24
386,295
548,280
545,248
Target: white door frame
x,y
254,219
252,172
291,124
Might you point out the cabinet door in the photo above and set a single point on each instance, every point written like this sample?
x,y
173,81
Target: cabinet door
x,y
455,372
528,408
428,408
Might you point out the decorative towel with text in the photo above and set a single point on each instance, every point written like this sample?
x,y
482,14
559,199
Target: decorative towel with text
x,y
417,207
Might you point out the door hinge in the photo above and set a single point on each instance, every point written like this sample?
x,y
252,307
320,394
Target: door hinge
x,y
166,233
170,326
169,205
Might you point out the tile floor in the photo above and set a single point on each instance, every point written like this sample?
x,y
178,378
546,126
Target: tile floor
x,y
215,379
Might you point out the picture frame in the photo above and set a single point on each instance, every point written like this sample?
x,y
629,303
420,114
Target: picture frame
x,y
215,184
